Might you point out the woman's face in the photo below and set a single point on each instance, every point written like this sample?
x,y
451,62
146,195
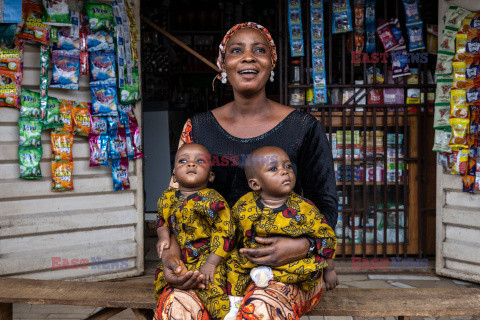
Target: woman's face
x,y
247,61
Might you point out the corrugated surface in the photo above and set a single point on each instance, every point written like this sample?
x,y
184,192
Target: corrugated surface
x,y
97,230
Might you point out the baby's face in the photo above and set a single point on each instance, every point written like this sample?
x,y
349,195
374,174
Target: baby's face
x,y
275,176
192,166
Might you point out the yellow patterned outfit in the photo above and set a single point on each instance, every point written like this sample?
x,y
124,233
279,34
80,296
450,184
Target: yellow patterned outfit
x,y
202,224
298,217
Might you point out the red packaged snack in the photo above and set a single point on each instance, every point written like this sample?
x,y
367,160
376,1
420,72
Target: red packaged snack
x,y
62,173
62,144
386,36
10,89
375,96
81,119
34,29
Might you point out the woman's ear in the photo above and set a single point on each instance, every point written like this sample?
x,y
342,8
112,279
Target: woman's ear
x,y
211,177
253,184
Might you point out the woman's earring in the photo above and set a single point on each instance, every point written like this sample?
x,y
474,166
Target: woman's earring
x,y
272,74
224,77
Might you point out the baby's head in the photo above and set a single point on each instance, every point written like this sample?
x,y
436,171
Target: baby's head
x,y
192,167
269,171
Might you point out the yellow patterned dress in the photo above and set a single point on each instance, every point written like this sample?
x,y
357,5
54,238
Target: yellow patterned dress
x,y
202,224
298,217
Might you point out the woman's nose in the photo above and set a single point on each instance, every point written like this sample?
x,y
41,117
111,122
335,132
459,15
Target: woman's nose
x,y
249,56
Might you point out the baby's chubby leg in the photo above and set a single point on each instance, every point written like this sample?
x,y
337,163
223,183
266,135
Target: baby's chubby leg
x,y
261,276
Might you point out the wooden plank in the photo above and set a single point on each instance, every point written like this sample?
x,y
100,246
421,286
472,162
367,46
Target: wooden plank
x,y
412,232
339,302
6,311
67,221
143,314
105,313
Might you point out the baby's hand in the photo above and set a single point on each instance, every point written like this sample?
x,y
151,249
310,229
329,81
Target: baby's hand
x,y
162,244
208,270
330,278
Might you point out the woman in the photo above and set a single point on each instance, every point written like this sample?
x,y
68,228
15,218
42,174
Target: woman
x,y
247,57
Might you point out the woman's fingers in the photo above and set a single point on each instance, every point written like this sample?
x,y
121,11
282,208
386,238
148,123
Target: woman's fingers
x,y
257,252
268,240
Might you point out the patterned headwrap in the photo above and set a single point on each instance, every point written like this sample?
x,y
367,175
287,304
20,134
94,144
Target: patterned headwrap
x,y
223,46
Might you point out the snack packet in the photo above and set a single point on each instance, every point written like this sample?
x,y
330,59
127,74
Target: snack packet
x,y
441,141
447,44
459,74
11,56
98,150
137,139
66,112
130,93
472,67
120,174
62,176
472,87
10,89
66,69
29,159
412,12
34,29
62,144
98,125
397,33
44,62
386,35
52,117
473,42
459,108
342,16
102,68
454,16
370,23
56,13
100,41
459,133
441,116
415,36
442,95
30,104
468,182
81,119
100,16
30,132
400,65
104,101
118,144
444,64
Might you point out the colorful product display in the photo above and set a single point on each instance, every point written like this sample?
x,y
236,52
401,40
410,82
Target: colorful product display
x,y
295,28
318,53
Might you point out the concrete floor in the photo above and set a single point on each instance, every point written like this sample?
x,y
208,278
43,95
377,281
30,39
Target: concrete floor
x,y
349,278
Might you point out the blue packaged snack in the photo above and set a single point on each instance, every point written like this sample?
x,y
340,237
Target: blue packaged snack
x,y
129,145
102,68
415,36
371,27
411,11
69,38
98,125
112,125
342,16
120,174
98,150
117,144
66,69
100,40
104,101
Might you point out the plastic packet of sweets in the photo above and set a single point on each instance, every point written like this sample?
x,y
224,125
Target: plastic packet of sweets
x,y
98,150
472,70
400,65
66,112
56,13
62,143
137,140
81,119
472,46
34,29
66,69
120,174
342,16
30,104
462,161
444,64
459,74
442,95
68,38
397,33
98,125
30,132
104,101
459,133
10,89
102,68
454,16
129,145
44,62
118,144
11,56
411,11
452,162
415,36
100,16
29,160
441,141
52,117
472,89
84,69
62,173
443,160
131,92
468,182
441,117
370,25
386,35
100,41
447,44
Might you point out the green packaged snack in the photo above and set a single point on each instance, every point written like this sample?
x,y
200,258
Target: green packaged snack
x,y
30,132
52,117
99,15
55,13
29,159
44,62
53,35
130,93
30,104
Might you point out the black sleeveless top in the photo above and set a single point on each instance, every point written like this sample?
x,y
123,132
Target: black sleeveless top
x,y
301,136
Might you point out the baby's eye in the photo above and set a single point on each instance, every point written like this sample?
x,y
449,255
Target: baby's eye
x,y
288,166
200,161
182,160
273,169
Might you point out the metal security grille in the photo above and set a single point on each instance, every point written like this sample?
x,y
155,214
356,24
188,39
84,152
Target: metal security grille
x,y
379,149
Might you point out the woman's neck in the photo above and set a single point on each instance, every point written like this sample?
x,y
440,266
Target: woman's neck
x,y
247,107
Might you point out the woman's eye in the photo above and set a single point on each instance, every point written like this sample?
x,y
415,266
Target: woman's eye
x,y
273,169
235,50
261,50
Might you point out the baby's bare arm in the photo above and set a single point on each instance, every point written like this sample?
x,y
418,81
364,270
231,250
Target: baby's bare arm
x,y
163,240
209,267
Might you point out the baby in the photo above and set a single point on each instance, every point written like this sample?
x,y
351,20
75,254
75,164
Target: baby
x,y
200,219
271,209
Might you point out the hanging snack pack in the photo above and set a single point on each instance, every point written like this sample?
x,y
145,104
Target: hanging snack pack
x,y
397,33
359,25
62,176
342,16
30,132
400,66
81,119
56,13
84,71
62,143
295,29
34,29
415,36
100,40
118,144
30,104
130,93
102,68
318,54
98,125
10,88
120,174
371,28
52,117
99,15
11,56
104,101
44,63
137,140
386,36
98,150
69,38
66,69
66,112
29,159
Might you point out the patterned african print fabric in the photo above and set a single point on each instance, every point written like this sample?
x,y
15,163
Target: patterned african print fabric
x,y
297,217
277,301
202,225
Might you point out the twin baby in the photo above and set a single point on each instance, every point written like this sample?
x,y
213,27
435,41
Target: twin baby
x,y
211,235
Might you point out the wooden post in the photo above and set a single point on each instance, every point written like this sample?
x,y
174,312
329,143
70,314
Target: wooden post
x,y
6,311
403,318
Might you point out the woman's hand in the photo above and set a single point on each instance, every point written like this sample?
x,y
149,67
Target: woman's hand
x,y
279,251
177,275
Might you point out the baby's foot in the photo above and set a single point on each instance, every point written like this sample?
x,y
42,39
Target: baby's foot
x,y
261,276
235,303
